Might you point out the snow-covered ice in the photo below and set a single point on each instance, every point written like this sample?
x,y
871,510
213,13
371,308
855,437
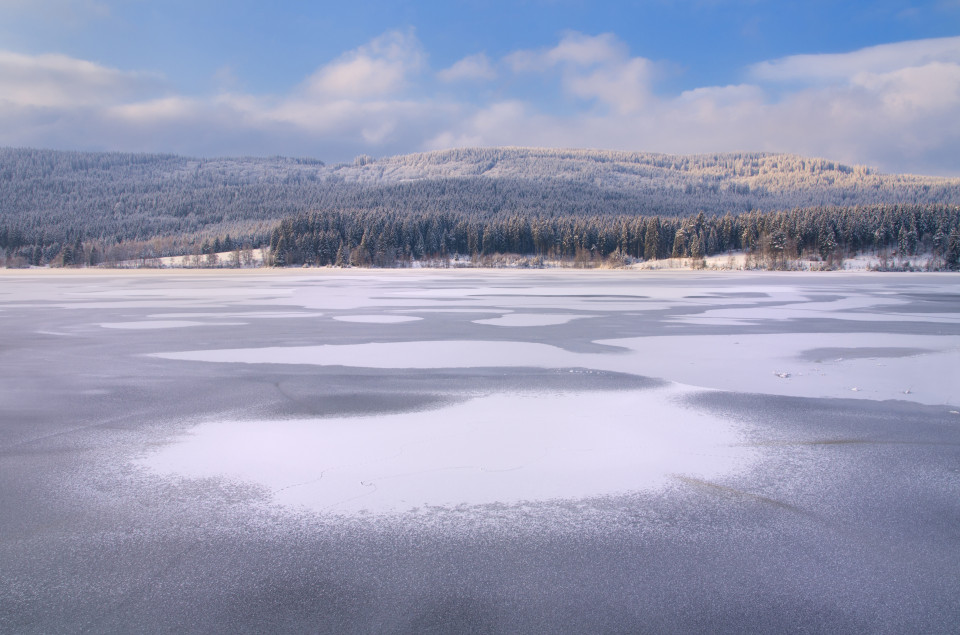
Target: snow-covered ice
x,y
376,319
741,363
162,324
529,319
503,448
746,335
795,462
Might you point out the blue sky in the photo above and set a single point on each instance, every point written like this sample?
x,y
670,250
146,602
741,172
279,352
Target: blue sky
x,y
875,83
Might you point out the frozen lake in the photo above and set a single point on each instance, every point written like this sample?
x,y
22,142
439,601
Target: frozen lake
x,y
479,451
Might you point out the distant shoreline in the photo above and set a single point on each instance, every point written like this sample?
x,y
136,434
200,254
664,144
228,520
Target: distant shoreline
x,y
658,267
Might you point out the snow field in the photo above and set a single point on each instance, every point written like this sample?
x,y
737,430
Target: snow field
x,y
503,448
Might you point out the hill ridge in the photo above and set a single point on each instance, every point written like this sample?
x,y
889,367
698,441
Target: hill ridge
x,y
50,196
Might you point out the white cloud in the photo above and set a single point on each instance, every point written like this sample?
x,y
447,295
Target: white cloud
x,y
867,106
163,109
58,80
584,50
472,67
844,66
378,68
624,86
593,68
914,91
895,106
574,49
348,106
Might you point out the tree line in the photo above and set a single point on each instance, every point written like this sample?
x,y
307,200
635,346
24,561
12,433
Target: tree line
x,y
775,239
381,238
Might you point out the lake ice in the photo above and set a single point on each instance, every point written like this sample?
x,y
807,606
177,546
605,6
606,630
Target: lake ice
x,y
536,446
538,450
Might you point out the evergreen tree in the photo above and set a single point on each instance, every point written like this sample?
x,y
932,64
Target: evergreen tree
x,y
280,252
952,256
651,240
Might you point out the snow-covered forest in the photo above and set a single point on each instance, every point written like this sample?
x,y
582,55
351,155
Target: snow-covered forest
x,y
87,208
774,239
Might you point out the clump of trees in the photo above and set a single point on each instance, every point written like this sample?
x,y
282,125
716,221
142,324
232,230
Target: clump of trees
x,y
774,240
380,238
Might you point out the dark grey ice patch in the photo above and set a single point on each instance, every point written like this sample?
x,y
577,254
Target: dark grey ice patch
x,y
906,420
930,303
822,297
339,391
934,297
584,346
310,404
880,481
831,354
831,325
486,379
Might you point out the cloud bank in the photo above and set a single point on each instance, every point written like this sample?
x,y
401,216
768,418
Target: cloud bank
x,y
894,106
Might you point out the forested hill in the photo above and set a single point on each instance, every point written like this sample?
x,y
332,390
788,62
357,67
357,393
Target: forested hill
x,y
48,198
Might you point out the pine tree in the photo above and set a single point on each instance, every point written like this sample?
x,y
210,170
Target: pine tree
x,y
651,239
280,253
952,257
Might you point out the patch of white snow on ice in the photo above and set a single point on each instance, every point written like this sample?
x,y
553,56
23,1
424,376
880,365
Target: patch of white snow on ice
x,y
505,448
529,319
241,314
740,363
164,324
418,354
